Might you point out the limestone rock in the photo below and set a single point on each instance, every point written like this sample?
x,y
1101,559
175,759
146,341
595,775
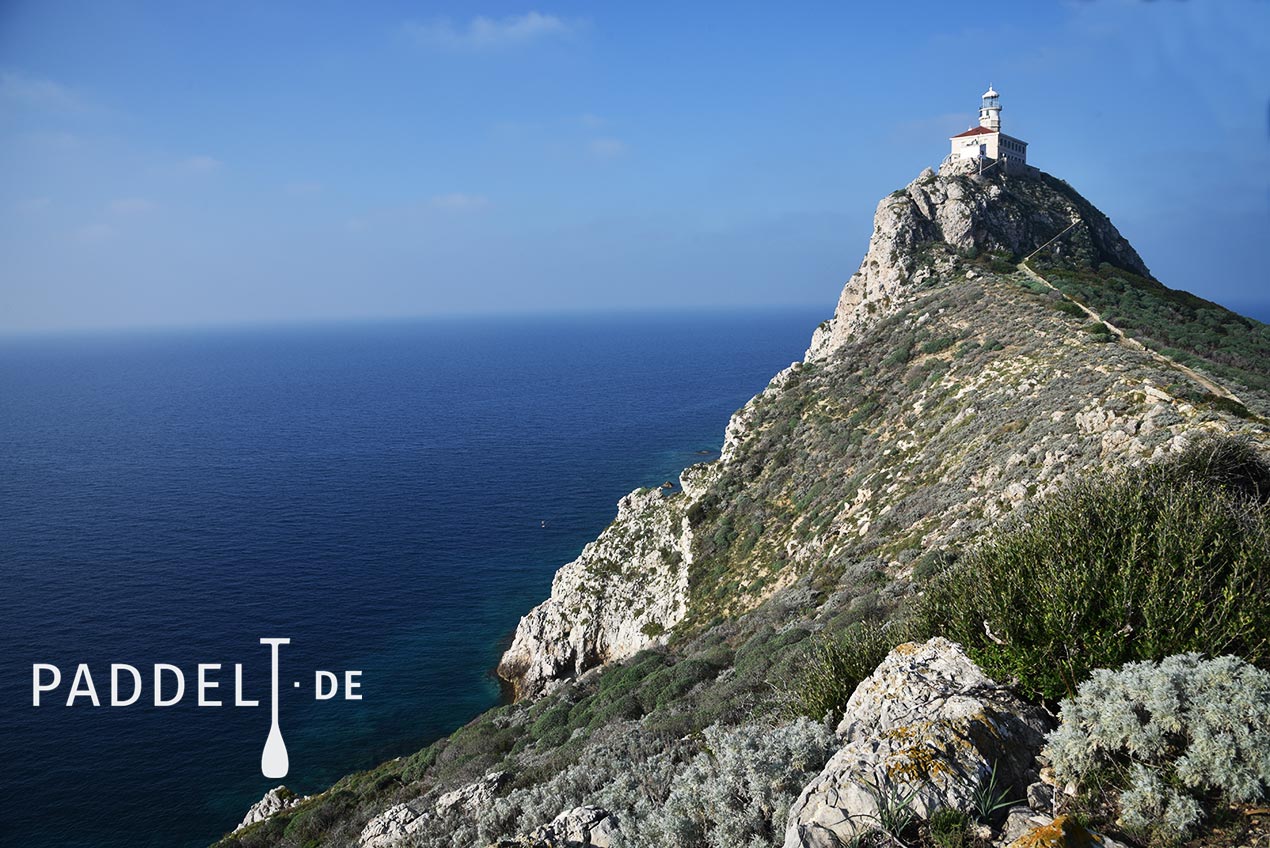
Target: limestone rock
x,y
1040,796
1063,832
624,593
1013,215
929,725
275,800
472,796
1021,820
393,825
578,828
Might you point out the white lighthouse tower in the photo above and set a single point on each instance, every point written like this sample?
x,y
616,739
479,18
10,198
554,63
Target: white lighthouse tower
x,y
986,144
990,110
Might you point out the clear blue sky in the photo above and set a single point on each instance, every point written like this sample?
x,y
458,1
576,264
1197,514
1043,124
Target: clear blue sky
x,y
173,163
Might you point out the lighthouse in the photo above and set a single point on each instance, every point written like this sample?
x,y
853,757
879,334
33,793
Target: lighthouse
x,y
986,142
990,111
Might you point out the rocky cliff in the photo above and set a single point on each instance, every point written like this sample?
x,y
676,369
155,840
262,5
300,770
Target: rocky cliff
x,y
967,213
1000,342
624,592
947,389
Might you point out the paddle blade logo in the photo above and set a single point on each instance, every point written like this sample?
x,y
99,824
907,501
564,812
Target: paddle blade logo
x,y
273,760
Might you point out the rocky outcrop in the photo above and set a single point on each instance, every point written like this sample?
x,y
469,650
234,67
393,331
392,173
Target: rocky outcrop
x,y
1063,832
393,825
398,822
1012,215
629,587
473,795
624,592
927,726
581,827
274,801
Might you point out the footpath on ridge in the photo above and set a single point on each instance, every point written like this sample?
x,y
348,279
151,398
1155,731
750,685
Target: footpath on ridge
x,y
1121,336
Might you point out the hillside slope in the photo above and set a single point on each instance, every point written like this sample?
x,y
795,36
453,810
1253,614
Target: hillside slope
x,y
949,390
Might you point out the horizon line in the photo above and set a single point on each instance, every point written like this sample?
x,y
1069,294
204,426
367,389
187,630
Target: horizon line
x,y
18,334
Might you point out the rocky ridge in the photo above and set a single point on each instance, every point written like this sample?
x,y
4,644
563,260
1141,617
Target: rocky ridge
x,y
1013,216
977,361
948,391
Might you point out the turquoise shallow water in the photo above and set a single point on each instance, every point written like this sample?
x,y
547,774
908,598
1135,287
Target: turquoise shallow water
x,y
391,497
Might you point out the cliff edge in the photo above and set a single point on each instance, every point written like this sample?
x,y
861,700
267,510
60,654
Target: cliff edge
x,y
947,389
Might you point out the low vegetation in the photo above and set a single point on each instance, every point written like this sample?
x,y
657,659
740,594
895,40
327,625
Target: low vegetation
x,y
1166,559
838,531
1163,741
833,667
1187,328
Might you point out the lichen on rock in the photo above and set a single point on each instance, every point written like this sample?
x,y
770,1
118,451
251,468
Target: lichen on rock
x,y
927,726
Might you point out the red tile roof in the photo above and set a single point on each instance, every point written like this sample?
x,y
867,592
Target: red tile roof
x,y
974,131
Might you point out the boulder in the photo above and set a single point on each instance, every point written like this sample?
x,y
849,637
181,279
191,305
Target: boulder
x,y
472,796
1063,832
928,727
1018,821
581,827
275,800
999,213
393,825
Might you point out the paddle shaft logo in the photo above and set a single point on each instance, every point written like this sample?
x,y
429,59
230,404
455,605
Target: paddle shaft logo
x,y
168,690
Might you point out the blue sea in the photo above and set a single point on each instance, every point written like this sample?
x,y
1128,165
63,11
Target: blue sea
x,y
391,497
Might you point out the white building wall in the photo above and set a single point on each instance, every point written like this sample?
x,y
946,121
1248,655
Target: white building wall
x,y
968,147
995,145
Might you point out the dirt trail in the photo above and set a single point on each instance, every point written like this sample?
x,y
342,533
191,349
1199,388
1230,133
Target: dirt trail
x,y
1129,341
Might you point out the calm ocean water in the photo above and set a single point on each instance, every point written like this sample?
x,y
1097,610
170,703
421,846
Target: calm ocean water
x,y
376,493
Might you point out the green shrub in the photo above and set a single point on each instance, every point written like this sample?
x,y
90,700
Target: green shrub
x,y
1231,463
903,351
1199,332
939,344
1100,331
418,763
1069,308
1003,264
1166,559
931,564
1227,405
950,828
832,668
1165,737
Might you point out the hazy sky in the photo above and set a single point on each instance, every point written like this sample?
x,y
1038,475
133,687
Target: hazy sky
x,y
175,163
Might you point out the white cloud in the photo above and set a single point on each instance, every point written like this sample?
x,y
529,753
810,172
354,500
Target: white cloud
x,y
460,202
131,206
607,148
39,93
201,164
489,33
